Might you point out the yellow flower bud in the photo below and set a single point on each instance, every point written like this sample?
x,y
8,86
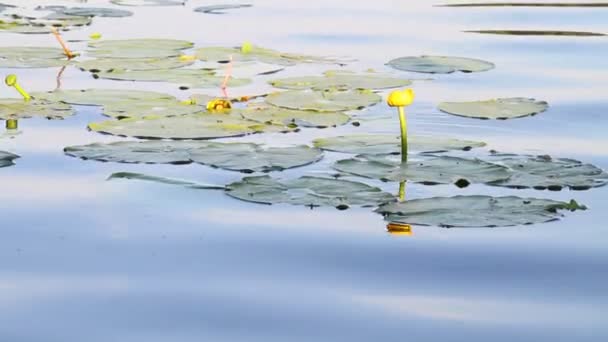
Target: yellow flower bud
x,y
218,105
400,98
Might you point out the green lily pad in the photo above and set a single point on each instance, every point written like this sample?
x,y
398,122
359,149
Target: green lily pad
x,y
324,101
164,180
428,170
289,117
255,53
18,23
101,97
149,2
230,156
194,78
158,107
544,172
476,211
308,191
539,33
7,158
501,109
390,144
198,126
220,9
138,48
132,64
440,64
31,57
19,109
96,12
340,80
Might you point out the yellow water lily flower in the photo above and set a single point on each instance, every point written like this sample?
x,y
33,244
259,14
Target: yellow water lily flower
x,y
400,98
218,105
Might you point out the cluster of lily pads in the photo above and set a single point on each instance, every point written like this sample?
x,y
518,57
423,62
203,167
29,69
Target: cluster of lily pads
x,y
180,131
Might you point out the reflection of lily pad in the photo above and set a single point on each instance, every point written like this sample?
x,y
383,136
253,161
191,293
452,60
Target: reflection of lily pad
x,y
100,97
341,80
231,156
544,172
324,101
476,211
426,170
132,64
19,109
149,2
502,109
386,144
255,53
31,57
309,191
220,9
194,78
138,48
198,126
6,158
290,117
440,64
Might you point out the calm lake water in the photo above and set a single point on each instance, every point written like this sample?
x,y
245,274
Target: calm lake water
x,y
85,259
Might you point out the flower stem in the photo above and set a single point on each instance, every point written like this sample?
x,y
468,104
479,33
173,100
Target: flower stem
x,y
403,123
401,191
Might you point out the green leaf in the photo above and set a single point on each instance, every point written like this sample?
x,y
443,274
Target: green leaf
x,y
390,144
256,53
163,180
101,97
500,109
149,2
324,101
341,80
132,64
138,48
31,57
20,109
282,116
440,64
476,211
220,9
194,78
7,158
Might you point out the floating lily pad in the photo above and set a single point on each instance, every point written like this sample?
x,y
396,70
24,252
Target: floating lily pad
x,y
132,64
539,33
164,180
341,80
544,172
149,2
193,78
501,109
97,12
440,64
220,9
198,126
289,117
390,144
255,53
324,101
230,156
18,23
6,158
101,97
31,57
158,107
529,4
19,109
138,48
428,170
308,191
476,211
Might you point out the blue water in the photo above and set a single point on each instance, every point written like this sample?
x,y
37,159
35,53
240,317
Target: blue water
x,y
85,259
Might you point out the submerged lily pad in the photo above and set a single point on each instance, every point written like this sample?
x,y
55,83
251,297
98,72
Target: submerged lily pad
x,y
220,9
539,33
31,57
390,144
501,109
149,2
544,172
324,101
132,64
255,53
194,78
476,211
341,80
6,158
101,97
19,109
197,126
440,64
289,117
138,48
308,191
241,157
428,170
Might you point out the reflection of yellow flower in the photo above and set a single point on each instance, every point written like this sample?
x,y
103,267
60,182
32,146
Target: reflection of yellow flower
x,y
399,229
400,98
218,105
